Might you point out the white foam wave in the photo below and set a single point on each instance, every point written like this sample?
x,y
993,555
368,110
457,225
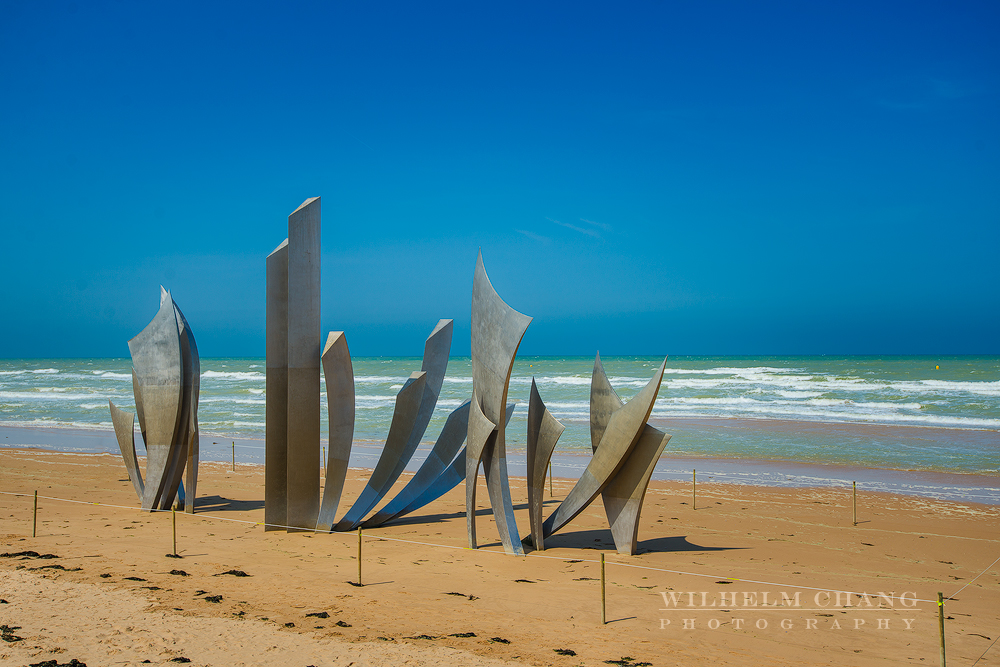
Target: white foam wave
x,y
232,424
233,375
948,386
37,371
773,410
108,375
449,403
229,399
52,394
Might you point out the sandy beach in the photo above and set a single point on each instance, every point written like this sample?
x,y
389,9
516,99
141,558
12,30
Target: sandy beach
x,y
752,575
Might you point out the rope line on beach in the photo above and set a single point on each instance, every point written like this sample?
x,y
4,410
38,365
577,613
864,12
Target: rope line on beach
x,y
490,551
973,579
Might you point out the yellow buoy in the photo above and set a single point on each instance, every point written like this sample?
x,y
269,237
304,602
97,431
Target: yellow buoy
x,y
937,368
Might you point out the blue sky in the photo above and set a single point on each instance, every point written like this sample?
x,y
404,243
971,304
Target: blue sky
x,y
663,178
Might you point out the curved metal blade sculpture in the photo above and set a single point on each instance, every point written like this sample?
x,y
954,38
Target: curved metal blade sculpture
x,y
626,490
165,383
414,407
497,330
621,433
441,455
339,374
543,434
403,417
435,476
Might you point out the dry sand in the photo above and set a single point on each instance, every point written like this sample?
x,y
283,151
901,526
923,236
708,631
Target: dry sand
x,y
419,599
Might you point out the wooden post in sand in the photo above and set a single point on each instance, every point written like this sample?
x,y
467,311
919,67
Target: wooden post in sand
x,y
855,497
694,489
173,512
34,518
234,456
550,479
604,617
941,625
359,556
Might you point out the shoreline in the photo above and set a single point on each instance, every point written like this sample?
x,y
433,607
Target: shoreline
x,y
568,464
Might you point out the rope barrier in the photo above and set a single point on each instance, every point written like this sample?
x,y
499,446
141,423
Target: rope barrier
x,y
530,555
973,579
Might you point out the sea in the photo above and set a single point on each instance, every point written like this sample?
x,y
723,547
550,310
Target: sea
x,y
924,425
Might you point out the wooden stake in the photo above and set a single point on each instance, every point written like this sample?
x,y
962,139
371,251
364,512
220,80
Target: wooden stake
x,y
694,489
234,456
604,617
173,512
34,520
324,460
855,487
359,556
941,625
550,479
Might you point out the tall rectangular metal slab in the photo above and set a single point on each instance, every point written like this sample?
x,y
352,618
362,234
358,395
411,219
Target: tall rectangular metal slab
x,y
276,391
303,425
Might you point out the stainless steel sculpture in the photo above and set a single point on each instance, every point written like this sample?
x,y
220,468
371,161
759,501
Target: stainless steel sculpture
x,y
403,417
293,358
165,383
440,472
276,392
497,330
621,434
441,455
396,454
543,433
339,374
626,490
124,423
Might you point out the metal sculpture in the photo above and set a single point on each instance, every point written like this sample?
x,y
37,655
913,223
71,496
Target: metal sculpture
x,y
543,433
497,330
165,383
339,374
124,423
621,433
441,455
626,490
397,452
291,485
440,472
403,417
276,391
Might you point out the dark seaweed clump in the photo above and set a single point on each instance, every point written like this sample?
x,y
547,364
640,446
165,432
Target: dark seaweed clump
x,y
27,554
7,633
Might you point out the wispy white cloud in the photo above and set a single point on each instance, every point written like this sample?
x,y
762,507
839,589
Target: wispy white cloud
x,y
601,225
588,232
533,236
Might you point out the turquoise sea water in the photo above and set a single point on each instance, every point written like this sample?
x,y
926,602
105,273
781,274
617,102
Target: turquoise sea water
x,y
931,414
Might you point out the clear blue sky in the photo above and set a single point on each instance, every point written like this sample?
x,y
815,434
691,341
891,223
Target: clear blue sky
x,y
660,178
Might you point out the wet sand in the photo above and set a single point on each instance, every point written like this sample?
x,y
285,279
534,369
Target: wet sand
x,y
110,597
